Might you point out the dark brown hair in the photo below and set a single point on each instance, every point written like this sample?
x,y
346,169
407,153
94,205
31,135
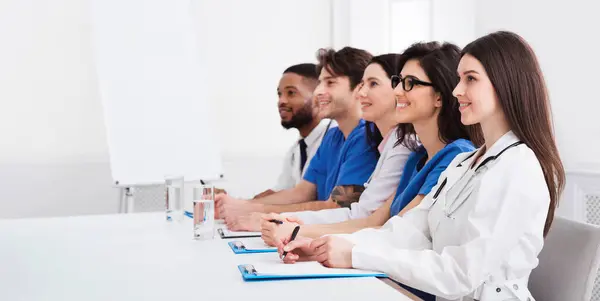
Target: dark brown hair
x,y
348,61
439,61
389,64
519,84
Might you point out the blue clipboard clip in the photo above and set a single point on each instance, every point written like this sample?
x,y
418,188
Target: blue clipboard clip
x,y
238,248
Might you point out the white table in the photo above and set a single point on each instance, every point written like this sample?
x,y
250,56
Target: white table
x,y
142,257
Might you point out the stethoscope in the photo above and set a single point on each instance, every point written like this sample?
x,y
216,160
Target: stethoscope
x,y
486,161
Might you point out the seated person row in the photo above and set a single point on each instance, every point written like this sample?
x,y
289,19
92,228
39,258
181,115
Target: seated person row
x,y
426,109
379,109
344,161
478,233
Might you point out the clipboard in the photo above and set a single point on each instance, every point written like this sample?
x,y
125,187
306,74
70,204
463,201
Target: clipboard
x,y
239,247
251,273
226,234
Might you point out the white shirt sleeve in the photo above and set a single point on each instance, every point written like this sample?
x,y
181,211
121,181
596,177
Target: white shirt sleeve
x,y
286,178
383,184
509,209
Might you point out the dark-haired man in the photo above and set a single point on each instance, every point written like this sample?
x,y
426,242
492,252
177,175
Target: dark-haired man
x,y
344,161
297,110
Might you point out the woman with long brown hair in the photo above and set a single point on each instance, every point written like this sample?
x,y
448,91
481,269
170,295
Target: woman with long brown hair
x,y
477,235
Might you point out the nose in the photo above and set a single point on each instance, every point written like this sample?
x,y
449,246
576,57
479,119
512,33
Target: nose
x,y
282,100
399,91
363,91
319,90
459,90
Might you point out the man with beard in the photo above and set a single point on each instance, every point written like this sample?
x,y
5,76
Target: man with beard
x,y
297,110
343,162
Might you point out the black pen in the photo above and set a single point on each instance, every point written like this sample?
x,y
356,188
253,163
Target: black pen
x,y
291,239
276,221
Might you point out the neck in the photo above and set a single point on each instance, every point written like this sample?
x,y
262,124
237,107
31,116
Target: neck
x,y
306,129
428,133
349,121
493,129
385,126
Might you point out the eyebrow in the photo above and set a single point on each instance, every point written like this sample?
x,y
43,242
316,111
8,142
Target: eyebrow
x,y
470,71
372,78
409,75
290,87
327,77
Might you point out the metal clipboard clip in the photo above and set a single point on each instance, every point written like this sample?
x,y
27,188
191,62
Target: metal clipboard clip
x,y
239,245
249,269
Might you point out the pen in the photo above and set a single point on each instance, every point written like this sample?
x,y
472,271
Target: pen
x,y
291,239
276,221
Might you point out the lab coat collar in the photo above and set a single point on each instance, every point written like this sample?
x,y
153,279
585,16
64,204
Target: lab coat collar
x,y
318,131
502,143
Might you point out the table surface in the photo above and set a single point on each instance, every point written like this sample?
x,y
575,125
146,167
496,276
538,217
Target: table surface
x,y
143,257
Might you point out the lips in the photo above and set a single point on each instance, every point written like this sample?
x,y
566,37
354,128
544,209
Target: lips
x,y
365,104
324,103
402,105
463,105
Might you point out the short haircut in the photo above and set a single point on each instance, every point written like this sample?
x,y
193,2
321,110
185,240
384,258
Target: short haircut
x,y
308,71
348,61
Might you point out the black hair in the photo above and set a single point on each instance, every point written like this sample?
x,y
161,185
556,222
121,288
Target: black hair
x,y
440,62
307,70
348,61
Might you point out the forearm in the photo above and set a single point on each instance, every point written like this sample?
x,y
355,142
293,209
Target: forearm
x,y
349,226
284,197
306,206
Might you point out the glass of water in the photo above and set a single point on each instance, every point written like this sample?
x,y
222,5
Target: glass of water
x,y
204,211
174,198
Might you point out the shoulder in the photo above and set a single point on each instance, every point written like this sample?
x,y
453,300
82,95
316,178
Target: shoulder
x,y
460,145
394,148
454,149
332,134
519,162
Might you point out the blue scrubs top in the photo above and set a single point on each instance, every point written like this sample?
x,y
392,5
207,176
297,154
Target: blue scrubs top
x,y
340,161
420,179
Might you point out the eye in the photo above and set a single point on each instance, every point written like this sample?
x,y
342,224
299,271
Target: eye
x,y
291,93
278,93
373,84
470,78
330,82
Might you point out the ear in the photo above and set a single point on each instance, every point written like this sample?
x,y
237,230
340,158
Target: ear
x,y
438,100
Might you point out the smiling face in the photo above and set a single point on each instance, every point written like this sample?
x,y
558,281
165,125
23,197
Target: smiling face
x,y
333,95
376,94
475,92
295,101
421,103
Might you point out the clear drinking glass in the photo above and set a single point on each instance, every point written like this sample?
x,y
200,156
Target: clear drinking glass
x,y
174,198
204,211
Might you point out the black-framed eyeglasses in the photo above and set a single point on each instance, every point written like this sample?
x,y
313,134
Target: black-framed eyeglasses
x,y
408,83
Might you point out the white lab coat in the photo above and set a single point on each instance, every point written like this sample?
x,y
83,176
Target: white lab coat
x,y
478,241
381,185
290,174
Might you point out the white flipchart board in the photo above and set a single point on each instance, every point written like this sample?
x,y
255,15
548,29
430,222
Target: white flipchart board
x,y
158,118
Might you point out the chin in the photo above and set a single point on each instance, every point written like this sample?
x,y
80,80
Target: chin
x,y
468,121
368,117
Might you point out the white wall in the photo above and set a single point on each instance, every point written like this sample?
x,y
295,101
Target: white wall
x,y
564,37
53,151
372,25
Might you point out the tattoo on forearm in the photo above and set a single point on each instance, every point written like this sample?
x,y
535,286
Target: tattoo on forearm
x,y
346,195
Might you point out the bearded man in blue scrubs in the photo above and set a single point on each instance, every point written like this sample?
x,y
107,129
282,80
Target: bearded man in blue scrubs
x,y
342,164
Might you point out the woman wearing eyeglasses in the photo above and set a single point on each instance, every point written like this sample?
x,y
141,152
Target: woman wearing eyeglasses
x,y
426,109
477,235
